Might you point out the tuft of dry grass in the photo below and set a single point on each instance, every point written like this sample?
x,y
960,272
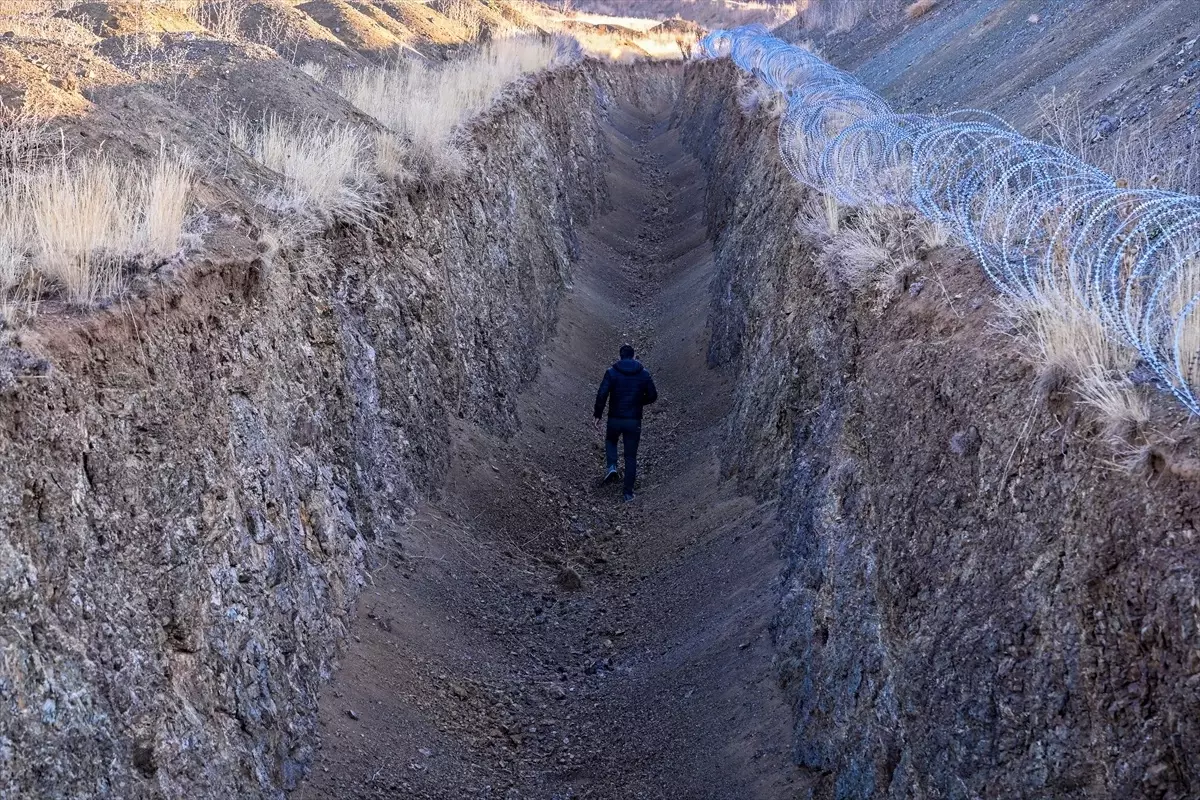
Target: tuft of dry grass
x,y
392,158
1071,349
426,104
323,166
79,223
318,72
919,9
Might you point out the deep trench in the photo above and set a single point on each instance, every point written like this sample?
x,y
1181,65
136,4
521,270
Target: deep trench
x,y
472,671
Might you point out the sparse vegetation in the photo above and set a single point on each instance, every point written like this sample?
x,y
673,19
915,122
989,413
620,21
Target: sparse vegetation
x,y
837,16
323,166
920,8
79,223
222,17
425,103
710,13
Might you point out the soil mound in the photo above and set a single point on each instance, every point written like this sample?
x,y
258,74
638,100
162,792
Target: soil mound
x,y
354,28
296,36
55,29
679,26
601,29
428,23
26,88
119,19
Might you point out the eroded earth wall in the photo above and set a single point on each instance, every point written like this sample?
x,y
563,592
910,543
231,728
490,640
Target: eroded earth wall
x,y
195,485
977,604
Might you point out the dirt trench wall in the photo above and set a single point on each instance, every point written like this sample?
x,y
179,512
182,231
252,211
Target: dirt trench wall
x,y
193,492
976,605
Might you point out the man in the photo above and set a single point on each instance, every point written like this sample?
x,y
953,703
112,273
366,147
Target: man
x,y
626,387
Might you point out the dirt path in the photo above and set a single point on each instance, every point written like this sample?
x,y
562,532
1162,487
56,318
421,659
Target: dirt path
x,y
478,668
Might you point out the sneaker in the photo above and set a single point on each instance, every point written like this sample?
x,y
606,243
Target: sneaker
x,y
611,476
628,498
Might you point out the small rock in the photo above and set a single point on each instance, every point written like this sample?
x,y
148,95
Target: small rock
x,y
965,442
459,691
916,288
569,579
1107,126
352,713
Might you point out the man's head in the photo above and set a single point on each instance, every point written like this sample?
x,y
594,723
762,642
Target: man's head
x,y
626,351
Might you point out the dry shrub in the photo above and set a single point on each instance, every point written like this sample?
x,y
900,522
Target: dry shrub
x,y
920,8
222,17
323,166
427,103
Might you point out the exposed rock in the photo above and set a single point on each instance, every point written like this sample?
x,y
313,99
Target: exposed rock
x,y
192,495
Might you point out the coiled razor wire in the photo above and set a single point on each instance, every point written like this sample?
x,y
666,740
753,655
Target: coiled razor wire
x,y
1040,221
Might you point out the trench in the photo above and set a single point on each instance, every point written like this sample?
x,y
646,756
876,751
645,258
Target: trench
x,y
860,565
477,667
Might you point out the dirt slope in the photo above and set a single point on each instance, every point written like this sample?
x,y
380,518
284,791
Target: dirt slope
x,y
195,482
978,602
478,669
1131,64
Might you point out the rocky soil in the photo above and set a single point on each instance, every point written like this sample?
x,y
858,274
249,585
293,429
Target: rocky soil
x,y
978,603
196,484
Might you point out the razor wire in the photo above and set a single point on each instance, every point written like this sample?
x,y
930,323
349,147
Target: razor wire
x,y
1041,222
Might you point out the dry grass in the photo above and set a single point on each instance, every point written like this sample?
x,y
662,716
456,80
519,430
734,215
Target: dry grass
x,y
932,235
222,17
426,104
872,252
324,167
919,9
79,223
1187,339
1071,350
1126,153
839,16
318,72
755,96
393,160
709,13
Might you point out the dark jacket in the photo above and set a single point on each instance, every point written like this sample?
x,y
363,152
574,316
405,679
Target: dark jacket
x,y
627,386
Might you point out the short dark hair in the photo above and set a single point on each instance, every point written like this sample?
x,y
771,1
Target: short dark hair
x,y
626,351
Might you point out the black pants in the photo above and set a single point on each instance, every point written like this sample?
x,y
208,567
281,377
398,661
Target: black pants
x,y
631,429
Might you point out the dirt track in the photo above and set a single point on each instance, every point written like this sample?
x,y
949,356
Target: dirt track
x,y
476,670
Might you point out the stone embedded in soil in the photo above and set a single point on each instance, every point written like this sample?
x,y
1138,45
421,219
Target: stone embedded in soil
x,y
569,579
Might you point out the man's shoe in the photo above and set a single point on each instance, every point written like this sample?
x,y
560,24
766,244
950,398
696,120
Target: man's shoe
x,y
611,476
628,498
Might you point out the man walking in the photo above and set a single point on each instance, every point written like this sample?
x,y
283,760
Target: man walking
x,y
627,386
